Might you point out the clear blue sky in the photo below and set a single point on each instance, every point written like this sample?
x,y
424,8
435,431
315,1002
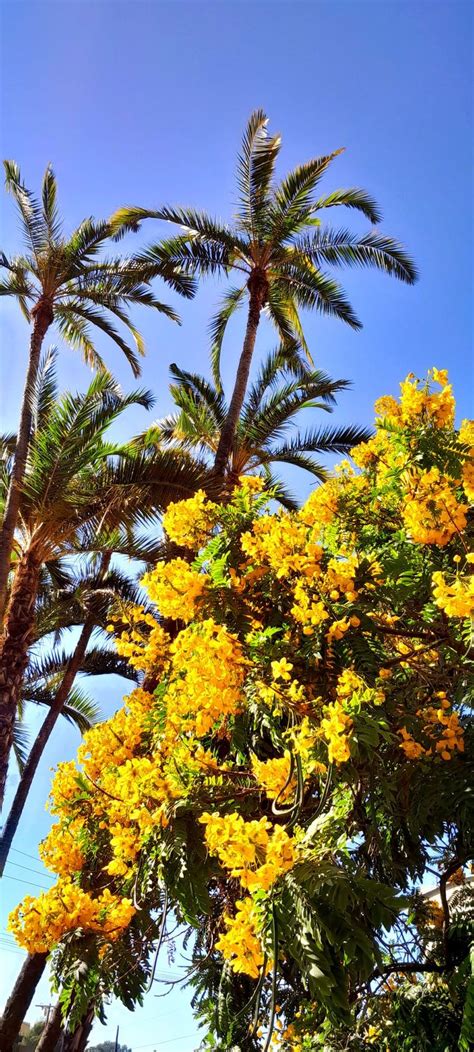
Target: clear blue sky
x,y
145,103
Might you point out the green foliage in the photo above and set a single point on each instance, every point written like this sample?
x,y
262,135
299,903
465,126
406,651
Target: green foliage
x,y
283,388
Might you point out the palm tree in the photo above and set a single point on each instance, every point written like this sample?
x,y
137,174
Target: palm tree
x,y
282,388
78,491
62,280
276,247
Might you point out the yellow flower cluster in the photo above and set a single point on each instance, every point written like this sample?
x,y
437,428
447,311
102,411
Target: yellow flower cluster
x,y
175,587
115,741
457,598
466,437
432,514
207,674
412,749
452,734
60,850
336,727
273,776
144,643
255,852
322,505
281,542
303,738
312,593
189,523
240,945
39,923
418,403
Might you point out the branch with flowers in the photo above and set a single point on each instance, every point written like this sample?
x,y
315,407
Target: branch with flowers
x,y
304,750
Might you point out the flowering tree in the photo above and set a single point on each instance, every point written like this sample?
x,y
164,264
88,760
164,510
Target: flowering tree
x,y
294,759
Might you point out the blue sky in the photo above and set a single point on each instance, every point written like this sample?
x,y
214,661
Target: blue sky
x,y
145,103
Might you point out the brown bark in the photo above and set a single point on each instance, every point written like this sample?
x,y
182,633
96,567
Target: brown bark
x,y
44,733
52,1031
258,290
77,1040
20,999
40,742
43,317
16,638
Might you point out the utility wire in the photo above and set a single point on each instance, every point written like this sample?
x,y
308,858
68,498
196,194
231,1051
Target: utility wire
x,y
25,853
28,869
22,880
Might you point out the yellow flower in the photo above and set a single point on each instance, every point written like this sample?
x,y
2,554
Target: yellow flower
x,y
251,483
255,852
189,523
39,923
457,598
241,945
432,513
273,775
176,588
207,674
336,727
281,669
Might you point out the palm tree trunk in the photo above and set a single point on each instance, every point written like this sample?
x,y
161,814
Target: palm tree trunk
x,y
20,999
75,661
17,636
52,1031
41,740
258,294
77,1040
43,317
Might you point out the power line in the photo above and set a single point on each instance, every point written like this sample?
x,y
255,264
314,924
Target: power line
x,y
23,881
7,949
28,869
25,853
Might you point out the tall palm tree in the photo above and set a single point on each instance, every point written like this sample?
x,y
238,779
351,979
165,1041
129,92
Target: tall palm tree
x,y
64,280
282,388
78,490
277,248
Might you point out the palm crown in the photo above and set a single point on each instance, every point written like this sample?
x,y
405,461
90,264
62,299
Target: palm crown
x,y
63,280
277,248
282,388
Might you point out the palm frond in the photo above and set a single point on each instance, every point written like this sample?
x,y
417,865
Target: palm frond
x,y
201,227
79,708
91,315
280,491
317,291
50,211
201,389
230,303
76,333
45,390
297,460
337,439
84,244
189,255
340,247
292,201
28,207
20,744
256,165
352,197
